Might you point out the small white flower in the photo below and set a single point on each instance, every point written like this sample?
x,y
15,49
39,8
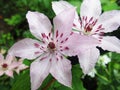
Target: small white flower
x,y
7,65
104,60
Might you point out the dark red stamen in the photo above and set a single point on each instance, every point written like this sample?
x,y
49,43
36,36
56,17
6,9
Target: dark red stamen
x,y
4,65
51,45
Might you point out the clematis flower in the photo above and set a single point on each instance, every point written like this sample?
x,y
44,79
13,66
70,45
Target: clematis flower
x,y
94,24
7,65
51,48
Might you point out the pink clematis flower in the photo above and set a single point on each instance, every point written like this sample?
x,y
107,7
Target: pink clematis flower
x,y
7,65
51,48
92,23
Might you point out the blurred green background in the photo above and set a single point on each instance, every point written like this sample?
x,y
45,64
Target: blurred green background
x,y
14,27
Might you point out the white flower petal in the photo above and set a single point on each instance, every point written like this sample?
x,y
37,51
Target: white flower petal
x,y
38,23
78,43
63,22
1,57
26,48
110,44
9,73
59,6
13,65
88,59
90,8
9,59
61,70
39,70
110,20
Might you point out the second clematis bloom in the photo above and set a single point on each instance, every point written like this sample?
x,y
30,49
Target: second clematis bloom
x,y
51,47
94,24
7,65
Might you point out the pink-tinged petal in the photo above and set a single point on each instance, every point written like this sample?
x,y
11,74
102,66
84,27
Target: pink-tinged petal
x,y
61,70
13,65
110,21
26,48
59,6
1,57
9,73
110,43
1,72
21,67
77,43
9,59
90,8
39,70
88,59
38,24
63,22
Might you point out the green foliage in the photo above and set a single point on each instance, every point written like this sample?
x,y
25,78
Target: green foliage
x,y
109,5
108,77
22,82
14,20
6,40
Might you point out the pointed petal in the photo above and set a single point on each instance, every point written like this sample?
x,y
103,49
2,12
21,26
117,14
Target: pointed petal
x,y
26,48
88,59
78,43
110,20
1,57
9,73
13,65
90,8
110,44
39,70
61,70
63,22
59,6
38,23
9,58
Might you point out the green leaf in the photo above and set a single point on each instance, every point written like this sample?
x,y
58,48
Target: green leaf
x,y
76,78
46,82
22,82
63,88
14,20
103,79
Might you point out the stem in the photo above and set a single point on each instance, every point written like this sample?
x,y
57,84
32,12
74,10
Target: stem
x,y
49,84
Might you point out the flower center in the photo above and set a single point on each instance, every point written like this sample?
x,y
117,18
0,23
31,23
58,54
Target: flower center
x,y
51,45
4,65
88,24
